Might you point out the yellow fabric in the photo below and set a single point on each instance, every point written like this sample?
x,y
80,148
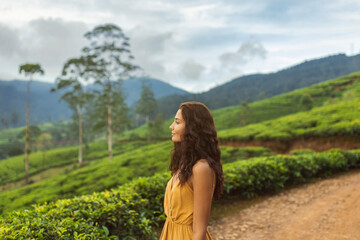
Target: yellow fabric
x,y
179,208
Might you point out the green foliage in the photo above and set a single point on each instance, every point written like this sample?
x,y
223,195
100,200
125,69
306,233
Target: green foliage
x,y
249,178
134,161
337,119
334,91
43,141
146,104
12,169
155,127
134,209
244,113
34,133
301,151
306,102
30,69
232,154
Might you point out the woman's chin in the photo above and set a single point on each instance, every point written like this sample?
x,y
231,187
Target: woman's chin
x,y
174,139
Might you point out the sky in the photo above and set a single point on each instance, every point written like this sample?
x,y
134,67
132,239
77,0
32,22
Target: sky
x,y
194,45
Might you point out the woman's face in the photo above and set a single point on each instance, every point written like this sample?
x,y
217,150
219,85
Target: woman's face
x,y
177,127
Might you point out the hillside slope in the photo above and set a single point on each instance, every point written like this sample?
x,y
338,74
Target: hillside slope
x,y
345,88
255,87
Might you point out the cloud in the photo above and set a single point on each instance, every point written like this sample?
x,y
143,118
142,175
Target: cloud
x,y
51,42
191,70
248,50
149,49
10,42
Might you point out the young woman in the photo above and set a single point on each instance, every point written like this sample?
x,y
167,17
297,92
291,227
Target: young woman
x,y
197,175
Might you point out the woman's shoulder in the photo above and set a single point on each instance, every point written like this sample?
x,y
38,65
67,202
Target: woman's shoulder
x,y
202,167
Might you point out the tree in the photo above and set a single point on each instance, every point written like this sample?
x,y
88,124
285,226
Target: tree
x,y
44,143
244,113
34,132
14,118
156,127
261,96
110,49
306,102
29,71
73,73
97,112
146,106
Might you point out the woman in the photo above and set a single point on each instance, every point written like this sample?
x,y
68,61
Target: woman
x,y
197,175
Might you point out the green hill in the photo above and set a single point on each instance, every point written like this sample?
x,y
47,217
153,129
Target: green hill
x,y
323,94
248,171
255,87
339,119
135,210
100,174
336,111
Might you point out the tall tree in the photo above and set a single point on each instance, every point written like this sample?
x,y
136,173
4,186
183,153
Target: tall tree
x,y
97,112
110,49
73,74
29,70
146,105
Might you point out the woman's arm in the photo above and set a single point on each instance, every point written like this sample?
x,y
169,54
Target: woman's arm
x,y
202,181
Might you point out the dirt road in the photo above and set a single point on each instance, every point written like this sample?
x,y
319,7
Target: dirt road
x,y
327,209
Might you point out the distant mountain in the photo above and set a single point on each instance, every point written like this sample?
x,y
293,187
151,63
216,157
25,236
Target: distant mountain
x,y
161,89
44,105
259,86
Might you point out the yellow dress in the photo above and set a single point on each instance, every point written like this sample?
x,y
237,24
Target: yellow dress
x,y
179,208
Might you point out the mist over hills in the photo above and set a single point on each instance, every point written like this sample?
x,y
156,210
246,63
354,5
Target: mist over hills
x,y
255,87
45,107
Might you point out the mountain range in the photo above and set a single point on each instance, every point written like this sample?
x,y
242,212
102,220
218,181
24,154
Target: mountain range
x,y
255,87
44,106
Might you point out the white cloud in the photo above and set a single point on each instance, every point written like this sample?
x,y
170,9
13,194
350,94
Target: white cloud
x,y
10,42
179,41
192,70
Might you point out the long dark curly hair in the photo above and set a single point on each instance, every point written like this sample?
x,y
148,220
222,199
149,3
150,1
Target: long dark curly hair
x,y
198,142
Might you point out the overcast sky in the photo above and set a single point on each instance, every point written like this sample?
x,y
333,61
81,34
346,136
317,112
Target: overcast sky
x,y
194,45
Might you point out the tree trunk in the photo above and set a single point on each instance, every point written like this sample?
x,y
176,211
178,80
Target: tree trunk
x,y
109,126
27,137
80,160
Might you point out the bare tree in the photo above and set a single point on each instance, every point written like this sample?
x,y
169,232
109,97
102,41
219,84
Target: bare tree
x,y
110,49
72,77
29,71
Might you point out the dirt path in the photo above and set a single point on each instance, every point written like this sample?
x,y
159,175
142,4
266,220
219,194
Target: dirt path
x,y
325,210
